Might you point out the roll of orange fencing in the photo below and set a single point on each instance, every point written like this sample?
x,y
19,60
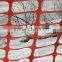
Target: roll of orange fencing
x,y
30,31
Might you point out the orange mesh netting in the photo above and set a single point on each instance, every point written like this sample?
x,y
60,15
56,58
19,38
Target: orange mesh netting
x,y
37,25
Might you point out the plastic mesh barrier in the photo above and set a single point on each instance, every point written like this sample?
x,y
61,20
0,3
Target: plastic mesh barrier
x,y
30,31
